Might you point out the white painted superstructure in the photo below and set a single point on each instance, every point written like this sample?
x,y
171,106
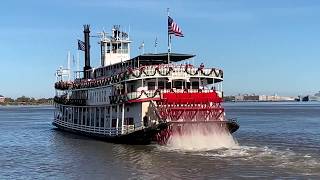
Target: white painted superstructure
x,y
119,96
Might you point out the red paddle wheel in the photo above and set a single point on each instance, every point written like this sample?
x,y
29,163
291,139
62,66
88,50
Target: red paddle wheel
x,y
181,109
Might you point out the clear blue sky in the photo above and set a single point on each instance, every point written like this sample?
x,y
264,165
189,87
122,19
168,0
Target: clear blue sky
x,y
264,47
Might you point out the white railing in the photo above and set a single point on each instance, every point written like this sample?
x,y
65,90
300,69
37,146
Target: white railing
x,y
89,129
133,95
128,129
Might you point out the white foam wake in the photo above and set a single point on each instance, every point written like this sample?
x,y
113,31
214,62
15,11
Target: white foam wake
x,y
202,138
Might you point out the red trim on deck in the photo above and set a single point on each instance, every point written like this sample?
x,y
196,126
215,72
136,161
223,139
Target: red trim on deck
x,y
191,98
143,100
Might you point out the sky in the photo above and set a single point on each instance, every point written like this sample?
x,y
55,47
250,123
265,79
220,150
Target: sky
x,y
264,47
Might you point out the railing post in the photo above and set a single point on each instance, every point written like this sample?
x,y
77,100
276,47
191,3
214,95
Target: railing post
x,y
122,118
110,122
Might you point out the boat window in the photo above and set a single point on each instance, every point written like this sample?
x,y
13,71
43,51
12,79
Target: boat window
x,y
210,81
114,122
125,48
129,121
177,84
188,85
151,85
114,48
92,117
160,85
101,122
168,85
132,88
108,47
195,85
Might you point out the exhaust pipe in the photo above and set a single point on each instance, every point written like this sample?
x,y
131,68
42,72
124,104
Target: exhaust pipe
x,y
86,31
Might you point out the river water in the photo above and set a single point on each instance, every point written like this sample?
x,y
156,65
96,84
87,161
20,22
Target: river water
x,y
274,140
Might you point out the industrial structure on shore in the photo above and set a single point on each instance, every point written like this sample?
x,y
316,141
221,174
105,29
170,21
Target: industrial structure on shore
x,y
270,98
254,97
2,98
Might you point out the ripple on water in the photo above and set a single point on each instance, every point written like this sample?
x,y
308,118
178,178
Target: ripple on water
x,y
30,149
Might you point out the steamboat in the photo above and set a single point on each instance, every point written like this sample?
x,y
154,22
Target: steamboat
x,y
137,100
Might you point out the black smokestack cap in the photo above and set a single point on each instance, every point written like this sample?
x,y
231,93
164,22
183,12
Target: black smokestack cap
x,y
86,31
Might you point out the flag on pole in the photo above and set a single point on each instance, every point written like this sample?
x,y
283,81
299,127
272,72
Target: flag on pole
x,y
173,28
81,45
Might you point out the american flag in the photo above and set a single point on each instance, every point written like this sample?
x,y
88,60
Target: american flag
x,y
173,28
81,45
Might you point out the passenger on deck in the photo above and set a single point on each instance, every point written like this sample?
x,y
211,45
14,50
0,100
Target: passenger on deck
x,y
145,121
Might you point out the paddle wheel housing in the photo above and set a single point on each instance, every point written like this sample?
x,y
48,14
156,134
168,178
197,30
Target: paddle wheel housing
x,y
181,109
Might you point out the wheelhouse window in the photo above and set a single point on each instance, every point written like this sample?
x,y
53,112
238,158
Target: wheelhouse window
x,y
108,48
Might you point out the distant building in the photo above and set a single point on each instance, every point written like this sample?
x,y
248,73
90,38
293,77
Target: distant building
x,y
2,99
316,97
238,98
254,97
251,98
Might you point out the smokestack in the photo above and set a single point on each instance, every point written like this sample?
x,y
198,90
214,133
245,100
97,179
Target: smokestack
x,y
86,31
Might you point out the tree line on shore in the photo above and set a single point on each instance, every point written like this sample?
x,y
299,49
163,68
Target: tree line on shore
x,y
23,100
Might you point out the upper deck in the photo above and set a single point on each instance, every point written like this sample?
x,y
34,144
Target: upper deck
x,y
119,75
168,71
137,62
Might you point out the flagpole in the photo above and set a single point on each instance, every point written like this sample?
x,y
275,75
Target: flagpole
x,y
169,39
69,66
78,65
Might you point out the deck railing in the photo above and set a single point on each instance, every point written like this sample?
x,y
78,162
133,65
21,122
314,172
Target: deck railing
x,y
181,71
156,93
89,129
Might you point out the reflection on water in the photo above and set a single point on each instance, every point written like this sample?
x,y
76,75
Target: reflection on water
x,y
274,140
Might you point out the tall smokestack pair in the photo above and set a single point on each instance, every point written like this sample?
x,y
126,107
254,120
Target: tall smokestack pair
x,y
86,31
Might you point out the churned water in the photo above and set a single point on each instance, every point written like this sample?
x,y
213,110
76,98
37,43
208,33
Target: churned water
x,y
203,137
275,140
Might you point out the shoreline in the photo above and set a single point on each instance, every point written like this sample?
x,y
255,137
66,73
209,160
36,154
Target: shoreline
x,y
3,105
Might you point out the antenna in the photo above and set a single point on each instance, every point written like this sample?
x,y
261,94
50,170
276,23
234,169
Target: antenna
x,y
141,47
129,31
156,45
